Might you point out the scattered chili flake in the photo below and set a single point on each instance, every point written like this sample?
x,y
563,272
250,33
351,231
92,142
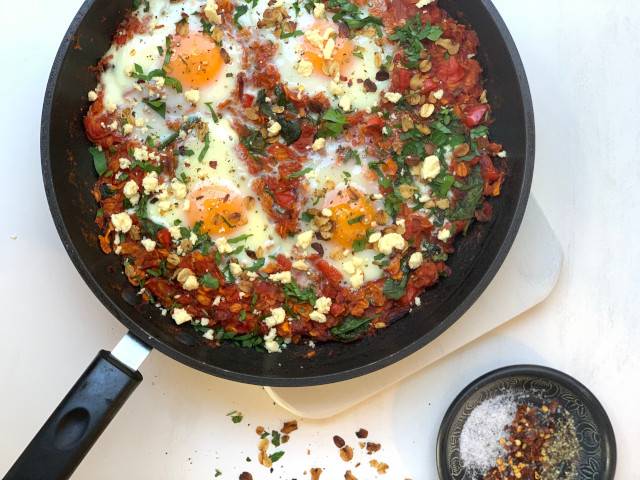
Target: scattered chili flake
x,y
349,476
338,441
346,453
289,427
372,447
380,467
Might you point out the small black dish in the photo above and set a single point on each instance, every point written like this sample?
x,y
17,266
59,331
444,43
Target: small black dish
x,y
594,431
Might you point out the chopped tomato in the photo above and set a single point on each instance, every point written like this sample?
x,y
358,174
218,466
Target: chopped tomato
x,y
473,115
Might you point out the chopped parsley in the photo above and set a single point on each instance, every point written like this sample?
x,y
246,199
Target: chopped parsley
x,y
299,173
332,123
236,417
410,36
349,14
205,149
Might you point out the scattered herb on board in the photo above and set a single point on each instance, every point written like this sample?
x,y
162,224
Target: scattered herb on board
x,y
236,417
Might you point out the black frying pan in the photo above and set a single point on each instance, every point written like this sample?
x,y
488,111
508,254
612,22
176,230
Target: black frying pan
x,y
68,176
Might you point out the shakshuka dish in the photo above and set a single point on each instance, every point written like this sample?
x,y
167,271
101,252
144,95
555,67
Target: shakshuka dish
x,y
289,171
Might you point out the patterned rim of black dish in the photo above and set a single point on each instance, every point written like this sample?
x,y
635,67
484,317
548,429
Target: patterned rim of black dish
x,y
595,433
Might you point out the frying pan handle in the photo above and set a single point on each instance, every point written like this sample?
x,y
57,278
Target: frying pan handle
x,y
72,429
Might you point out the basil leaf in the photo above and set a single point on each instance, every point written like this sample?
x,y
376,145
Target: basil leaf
x,y
99,160
157,106
209,281
299,173
351,328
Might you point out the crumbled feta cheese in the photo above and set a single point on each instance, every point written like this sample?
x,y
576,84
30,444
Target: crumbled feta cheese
x,y
305,68
423,3
141,154
318,10
193,238
349,267
208,334
438,94
113,126
150,182
430,167
444,234
130,190
318,144
318,316
304,239
315,38
179,189
389,241
127,129
235,269
502,154
124,163
417,301
180,315
216,301
277,316
191,283
393,97
93,96
374,237
223,245
357,279
192,96
282,277
274,128
345,102
148,244
139,122
415,260
300,265
377,196
211,12
326,212
204,322
121,222
270,343
174,230
111,107
335,88
327,50
323,304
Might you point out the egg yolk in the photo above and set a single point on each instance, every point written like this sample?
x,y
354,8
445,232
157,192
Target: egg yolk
x,y
195,60
352,214
219,209
341,55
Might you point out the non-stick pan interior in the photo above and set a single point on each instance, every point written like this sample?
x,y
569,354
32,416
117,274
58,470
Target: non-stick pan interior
x,y
68,175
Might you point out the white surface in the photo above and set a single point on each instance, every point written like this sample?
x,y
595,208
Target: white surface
x,y
581,57
529,272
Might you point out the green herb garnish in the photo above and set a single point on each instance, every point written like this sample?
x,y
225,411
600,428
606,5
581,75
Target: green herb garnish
x,y
99,160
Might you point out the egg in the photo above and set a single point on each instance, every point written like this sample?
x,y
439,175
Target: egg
x,y
219,195
322,62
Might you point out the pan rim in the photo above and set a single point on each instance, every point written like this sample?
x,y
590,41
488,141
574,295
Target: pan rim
x,y
282,380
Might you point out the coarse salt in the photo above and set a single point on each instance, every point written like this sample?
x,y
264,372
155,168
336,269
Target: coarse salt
x,y
480,437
